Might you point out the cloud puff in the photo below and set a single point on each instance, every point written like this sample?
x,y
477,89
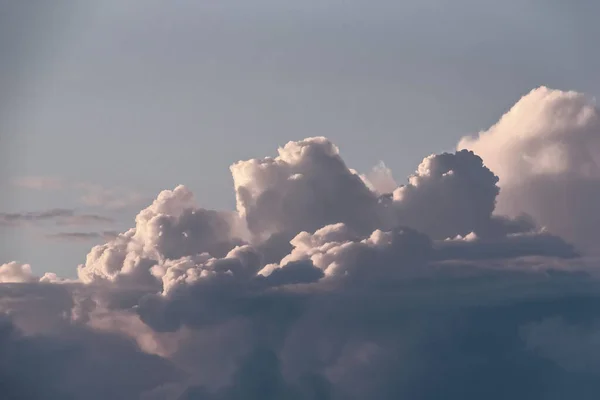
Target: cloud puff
x,y
380,179
15,272
170,228
305,187
382,255
546,152
449,195
323,285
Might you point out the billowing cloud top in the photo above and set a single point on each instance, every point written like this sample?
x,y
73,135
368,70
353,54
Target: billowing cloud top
x,y
304,188
474,279
546,152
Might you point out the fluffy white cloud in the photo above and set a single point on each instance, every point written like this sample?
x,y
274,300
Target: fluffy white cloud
x,y
546,152
449,195
380,179
305,187
339,254
170,228
15,272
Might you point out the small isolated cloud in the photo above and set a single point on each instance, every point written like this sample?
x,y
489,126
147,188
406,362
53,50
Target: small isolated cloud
x,y
59,216
15,272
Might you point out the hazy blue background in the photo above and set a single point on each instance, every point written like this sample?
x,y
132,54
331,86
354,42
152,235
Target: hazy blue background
x,y
142,95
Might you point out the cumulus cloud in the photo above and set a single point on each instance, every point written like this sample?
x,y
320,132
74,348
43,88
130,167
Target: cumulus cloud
x,y
449,195
324,284
546,150
305,187
15,272
381,255
170,228
380,179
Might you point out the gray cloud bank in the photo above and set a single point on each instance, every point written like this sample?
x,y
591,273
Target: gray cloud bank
x,y
325,284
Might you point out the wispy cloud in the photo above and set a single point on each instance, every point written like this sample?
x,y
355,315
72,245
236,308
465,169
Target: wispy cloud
x,y
82,236
90,194
39,182
59,216
111,198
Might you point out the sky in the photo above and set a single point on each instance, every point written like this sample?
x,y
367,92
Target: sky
x,y
316,200
138,96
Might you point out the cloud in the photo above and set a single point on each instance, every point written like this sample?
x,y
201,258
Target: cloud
x,y
322,285
449,195
259,376
110,198
83,236
93,195
59,216
380,179
57,366
15,272
546,152
39,182
305,187
34,216
170,228
573,346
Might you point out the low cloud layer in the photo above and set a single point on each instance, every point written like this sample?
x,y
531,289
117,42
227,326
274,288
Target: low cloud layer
x,y
325,284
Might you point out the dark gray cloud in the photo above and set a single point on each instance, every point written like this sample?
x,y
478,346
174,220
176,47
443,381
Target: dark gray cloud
x,y
259,376
76,364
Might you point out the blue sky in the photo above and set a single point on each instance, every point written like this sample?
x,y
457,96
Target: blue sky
x,y
117,100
